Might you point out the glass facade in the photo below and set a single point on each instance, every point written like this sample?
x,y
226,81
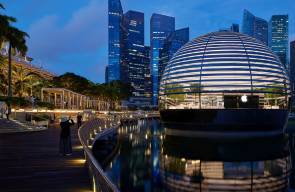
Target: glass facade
x,y
106,74
224,70
134,51
161,27
174,42
115,14
279,38
147,73
255,27
235,28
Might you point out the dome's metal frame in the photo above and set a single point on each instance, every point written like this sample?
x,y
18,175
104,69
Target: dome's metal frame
x,y
224,64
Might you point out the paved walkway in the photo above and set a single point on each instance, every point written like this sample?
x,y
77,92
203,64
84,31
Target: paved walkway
x,y
30,162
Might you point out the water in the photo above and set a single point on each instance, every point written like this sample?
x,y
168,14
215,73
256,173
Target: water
x,y
148,160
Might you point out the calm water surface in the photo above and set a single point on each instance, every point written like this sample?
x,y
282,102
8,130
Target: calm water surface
x,y
149,160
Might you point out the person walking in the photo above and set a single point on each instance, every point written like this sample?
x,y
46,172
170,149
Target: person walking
x,y
7,114
65,145
79,120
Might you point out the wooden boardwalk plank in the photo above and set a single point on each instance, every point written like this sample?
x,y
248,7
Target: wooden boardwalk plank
x,y
31,162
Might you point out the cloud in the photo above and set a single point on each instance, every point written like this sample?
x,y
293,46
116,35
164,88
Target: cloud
x,y
59,44
85,31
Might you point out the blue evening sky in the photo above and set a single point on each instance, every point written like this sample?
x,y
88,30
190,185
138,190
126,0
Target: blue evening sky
x,y
71,35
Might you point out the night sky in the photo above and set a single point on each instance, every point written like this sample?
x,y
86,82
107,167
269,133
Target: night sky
x,y
71,35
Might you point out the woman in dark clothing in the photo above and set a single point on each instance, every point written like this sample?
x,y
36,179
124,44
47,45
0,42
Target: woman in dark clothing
x,y
65,145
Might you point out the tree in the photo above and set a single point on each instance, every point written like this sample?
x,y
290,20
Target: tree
x,y
24,80
72,82
17,40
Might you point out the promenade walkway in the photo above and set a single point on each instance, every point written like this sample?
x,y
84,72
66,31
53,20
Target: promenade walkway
x,y
30,161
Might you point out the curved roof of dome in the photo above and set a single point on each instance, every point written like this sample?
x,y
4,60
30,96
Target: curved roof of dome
x,y
224,62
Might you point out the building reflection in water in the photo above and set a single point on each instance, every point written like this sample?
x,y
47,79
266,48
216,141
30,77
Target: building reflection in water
x,y
202,164
149,160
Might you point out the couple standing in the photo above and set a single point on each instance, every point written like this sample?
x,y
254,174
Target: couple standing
x,y
65,144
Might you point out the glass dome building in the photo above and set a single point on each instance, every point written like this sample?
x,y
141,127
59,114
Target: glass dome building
x,y
225,80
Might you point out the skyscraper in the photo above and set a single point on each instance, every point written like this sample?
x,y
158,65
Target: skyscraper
x,y
292,65
147,73
174,42
161,26
255,27
115,14
235,28
106,74
134,50
279,37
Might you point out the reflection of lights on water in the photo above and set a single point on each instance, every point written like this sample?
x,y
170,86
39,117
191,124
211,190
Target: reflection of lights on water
x,y
111,164
161,137
148,152
130,136
146,136
166,156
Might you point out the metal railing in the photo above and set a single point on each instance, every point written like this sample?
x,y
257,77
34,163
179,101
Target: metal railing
x,y
89,131
95,129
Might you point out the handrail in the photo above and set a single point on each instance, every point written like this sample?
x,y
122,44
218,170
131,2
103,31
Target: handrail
x,y
95,129
101,181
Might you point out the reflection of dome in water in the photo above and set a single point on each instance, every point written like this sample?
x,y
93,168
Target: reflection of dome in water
x,y
224,70
201,164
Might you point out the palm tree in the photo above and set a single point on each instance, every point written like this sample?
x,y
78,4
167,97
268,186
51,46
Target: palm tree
x,y
21,78
17,40
33,81
4,24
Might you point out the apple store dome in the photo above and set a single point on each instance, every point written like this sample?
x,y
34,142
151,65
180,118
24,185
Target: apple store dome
x,y
223,70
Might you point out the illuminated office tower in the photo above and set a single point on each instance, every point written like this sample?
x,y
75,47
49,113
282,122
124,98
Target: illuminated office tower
x,y
115,15
161,26
279,37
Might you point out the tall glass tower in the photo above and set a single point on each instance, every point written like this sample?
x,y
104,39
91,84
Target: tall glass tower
x,y
115,15
255,27
147,73
161,26
106,74
134,50
279,37
235,28
174,42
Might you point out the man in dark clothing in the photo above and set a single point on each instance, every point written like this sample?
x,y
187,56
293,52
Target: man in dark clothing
x,y
65,145
79,120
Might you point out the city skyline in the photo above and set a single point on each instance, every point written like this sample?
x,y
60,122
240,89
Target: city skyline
x,y
49,25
